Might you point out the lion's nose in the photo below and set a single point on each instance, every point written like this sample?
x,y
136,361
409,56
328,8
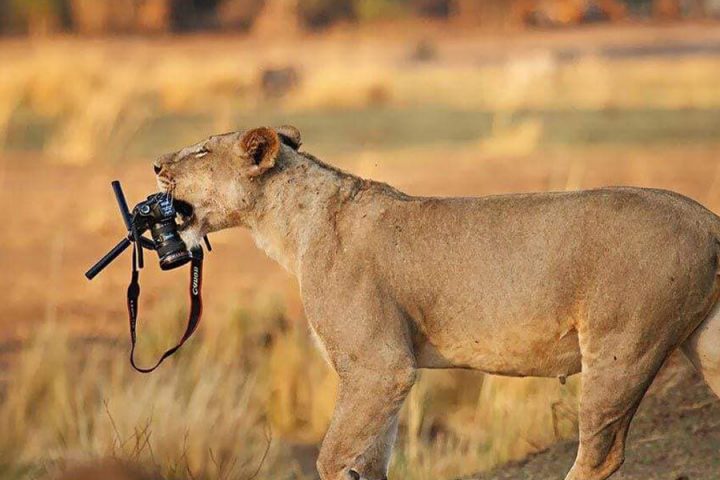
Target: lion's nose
x,y
156,168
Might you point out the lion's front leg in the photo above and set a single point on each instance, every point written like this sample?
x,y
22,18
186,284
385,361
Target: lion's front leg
x,y
375,461
367,340
358,442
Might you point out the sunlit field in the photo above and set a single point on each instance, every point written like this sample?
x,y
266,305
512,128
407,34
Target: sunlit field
x,y
249,397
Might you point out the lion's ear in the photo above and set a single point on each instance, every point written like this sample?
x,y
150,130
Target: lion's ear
x,y
261,147
290,136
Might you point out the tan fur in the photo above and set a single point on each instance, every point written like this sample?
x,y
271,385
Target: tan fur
x,y
606,281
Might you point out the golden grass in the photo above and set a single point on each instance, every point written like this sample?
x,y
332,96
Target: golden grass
x,y
204,418
450,432
242,393
98,95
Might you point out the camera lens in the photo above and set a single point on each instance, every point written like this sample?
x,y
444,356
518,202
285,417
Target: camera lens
x,y
170,248
174,260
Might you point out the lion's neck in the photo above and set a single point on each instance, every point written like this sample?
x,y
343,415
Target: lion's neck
x,y
297,209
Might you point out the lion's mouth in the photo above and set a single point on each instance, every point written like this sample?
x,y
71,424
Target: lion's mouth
x,y
185,214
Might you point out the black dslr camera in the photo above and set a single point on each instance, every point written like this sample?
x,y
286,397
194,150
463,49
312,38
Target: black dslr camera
x,y
157,214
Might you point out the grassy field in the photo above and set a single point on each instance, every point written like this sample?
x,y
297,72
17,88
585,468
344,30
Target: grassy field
x,y
250,394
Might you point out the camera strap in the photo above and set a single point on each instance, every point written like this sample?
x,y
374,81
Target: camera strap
x,y
133,293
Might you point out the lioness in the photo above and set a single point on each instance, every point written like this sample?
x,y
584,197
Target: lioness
x,y
608,282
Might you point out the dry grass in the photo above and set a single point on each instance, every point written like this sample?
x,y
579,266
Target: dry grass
x,y
98,95
202,418
231,402
464,423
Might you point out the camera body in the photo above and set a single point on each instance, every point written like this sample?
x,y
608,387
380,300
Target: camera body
x,y
157,214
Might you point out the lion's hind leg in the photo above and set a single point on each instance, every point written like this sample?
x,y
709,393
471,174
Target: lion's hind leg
x,y
613,384
702,348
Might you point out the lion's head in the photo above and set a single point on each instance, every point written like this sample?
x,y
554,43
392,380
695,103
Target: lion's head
x,y
217,181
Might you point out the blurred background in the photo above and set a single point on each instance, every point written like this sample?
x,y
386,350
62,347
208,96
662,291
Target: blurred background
x,y
437,97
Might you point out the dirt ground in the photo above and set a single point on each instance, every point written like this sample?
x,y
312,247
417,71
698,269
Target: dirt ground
x,y
675,436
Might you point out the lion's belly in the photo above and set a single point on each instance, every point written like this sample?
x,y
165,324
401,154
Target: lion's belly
x,y
530,338
513,324
504,351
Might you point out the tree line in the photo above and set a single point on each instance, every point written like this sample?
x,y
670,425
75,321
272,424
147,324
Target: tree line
x,y
97,17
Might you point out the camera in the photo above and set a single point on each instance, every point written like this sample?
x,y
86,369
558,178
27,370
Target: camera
x,y
157,214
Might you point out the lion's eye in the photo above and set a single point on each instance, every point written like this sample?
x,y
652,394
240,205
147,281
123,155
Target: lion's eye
x,y
202,152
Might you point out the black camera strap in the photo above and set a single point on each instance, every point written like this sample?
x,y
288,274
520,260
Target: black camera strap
x,y
133,293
